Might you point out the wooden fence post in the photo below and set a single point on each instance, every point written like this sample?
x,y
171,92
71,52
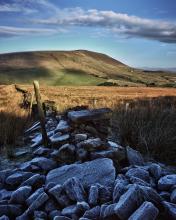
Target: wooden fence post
x,y
41,114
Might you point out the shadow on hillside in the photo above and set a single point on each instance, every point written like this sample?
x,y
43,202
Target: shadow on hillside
x,y
149,125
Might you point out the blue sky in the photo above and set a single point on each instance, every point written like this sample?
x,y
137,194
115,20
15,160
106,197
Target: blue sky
x,y
140,33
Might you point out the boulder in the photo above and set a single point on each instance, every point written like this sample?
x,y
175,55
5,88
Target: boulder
x,y
59,139
128,202
88,115
134,157
147,211
34,196
86,172
166,182
44,163
20,195
74,189
93,195
173,196
42,151
139,173
171,210
5,194
92,144
40,215
35,181
80,137
155,170
56,192
18,177
92,214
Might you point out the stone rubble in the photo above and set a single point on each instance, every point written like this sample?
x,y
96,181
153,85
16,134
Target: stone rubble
x,y
84,175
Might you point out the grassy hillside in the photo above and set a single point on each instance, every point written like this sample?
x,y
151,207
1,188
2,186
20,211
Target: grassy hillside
x,y
76,68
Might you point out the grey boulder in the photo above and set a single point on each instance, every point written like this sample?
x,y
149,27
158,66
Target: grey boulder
x,y
86,172
166,182
21,194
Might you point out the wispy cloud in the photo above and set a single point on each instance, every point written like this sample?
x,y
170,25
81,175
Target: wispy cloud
x,y
122,24
6,31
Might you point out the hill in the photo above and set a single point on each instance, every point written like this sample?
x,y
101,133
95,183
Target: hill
x,y
79,67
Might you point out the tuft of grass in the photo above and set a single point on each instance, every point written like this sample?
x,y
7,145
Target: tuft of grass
x,y
149,125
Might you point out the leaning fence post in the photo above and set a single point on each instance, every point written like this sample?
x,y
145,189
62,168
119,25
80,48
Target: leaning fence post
x,y
41,113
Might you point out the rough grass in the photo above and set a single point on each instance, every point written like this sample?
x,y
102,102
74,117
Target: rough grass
x,y
149,125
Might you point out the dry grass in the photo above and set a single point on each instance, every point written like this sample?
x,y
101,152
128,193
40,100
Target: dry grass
x,y
149,125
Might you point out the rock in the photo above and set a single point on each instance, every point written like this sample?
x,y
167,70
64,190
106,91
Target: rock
x,y
151,195
92,144
56,191
147,211
20,195
139,173
80,137
54,214
74,189
93,213
81,154
18,177
40,200
5,194
88,115
136,180
155,170
63,200
128,202
82,207
40,215
42,151
93,195
10,210
24,216
104,194
4,174
108,211
166,182
165,195
67,153
134,157
44,163
173,196
4,217
62,218
35,181
34,196
50,206
120,187
86,172
171,209
70,211
59,139
63,126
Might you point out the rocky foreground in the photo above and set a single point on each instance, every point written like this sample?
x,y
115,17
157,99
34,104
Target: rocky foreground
x,y
83,175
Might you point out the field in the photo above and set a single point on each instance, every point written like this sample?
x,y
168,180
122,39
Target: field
x,y
144,118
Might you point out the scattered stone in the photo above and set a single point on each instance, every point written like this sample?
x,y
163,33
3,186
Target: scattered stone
x,y
80,137
166,182
93,195
5,194
81,154
35,181
63,126
165,195
34,196
139,173
93,213
147,211
40,215
108,211
155,170
128,202
56,191
40,200
134,157
86,172
173,196
44,163
50,205
74,189
42,151
171,209
92,144
54,214
20,195
136,180
10,210
59,139
67,153
18,177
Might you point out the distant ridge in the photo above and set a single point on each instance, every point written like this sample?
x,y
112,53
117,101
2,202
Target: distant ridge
x,y
77,67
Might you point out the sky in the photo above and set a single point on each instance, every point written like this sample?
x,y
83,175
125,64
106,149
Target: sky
x,y
140,33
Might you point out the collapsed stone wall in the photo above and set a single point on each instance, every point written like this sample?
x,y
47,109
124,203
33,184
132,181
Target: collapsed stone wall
x,y
83,175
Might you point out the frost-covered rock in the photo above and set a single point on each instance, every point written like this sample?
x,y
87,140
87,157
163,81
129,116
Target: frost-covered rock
x,y
20,195
139,173
166,182
86,172
63,126
134,157
147,211
67,153
10,210
44,163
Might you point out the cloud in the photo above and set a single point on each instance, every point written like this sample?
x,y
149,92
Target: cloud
x,y
122,24
7,31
